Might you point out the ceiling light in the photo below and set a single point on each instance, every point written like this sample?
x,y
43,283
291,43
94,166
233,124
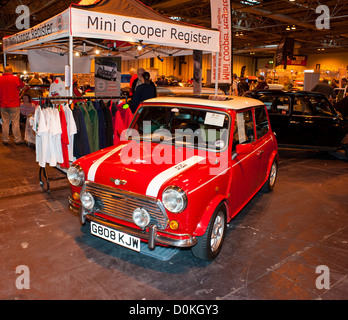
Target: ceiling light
x,y
293,27
77,54
96,51
288,28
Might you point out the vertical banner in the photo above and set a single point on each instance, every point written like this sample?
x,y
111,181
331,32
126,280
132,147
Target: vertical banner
x,y
285,50
221,20
108,76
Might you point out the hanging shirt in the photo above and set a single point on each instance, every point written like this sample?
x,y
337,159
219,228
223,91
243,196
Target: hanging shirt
x,y
55,132
64,138
93,116
81,144
71,131
88,124
123,119
40,126
108,124
102,125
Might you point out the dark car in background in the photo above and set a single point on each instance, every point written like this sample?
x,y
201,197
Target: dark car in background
x,y
304,120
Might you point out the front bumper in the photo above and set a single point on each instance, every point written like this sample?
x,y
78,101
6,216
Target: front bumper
x,y
151,234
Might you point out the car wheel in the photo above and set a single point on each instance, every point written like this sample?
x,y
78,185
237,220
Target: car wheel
x,y
209,245
272,177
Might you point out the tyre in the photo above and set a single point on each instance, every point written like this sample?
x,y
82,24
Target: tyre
x,y
272,177
209,245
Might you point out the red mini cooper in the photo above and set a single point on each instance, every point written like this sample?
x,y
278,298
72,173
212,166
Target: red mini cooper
x,y
184,168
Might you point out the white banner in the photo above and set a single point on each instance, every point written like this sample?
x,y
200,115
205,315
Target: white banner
x,y
109,26
51,29
221,20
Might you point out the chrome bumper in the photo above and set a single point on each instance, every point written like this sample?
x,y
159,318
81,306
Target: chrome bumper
x,y
151,236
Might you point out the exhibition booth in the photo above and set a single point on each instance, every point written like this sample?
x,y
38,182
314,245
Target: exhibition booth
x,y
56,42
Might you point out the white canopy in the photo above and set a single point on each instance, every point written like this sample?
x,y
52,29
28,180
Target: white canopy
x,y
127,20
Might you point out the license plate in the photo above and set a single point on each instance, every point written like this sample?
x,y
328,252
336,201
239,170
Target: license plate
x,y
115,236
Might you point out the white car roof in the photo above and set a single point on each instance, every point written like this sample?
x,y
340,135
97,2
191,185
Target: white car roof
x,y
231,102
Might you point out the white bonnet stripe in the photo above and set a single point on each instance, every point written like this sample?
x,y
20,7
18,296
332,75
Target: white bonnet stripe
x,y
156,182
94,167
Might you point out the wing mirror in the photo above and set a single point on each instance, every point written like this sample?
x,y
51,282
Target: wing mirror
x,y
244,148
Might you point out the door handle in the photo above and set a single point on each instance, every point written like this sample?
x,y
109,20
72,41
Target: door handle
x,y
260,152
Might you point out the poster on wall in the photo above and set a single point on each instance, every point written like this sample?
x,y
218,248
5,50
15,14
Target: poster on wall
x,y
221,20
108,76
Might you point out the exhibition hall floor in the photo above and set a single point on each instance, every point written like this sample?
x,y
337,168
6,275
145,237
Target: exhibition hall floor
x,y
288,244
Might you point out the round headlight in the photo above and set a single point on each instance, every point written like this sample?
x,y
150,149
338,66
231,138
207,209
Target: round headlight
x,y
87,200
75,175
174,199
141,217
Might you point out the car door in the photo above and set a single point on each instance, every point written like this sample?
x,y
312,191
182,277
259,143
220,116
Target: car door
x,y
263,145
328,131
245,167
301,124
278,107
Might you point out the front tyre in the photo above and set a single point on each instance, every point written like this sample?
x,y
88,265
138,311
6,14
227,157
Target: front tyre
x,y
209,245
272,177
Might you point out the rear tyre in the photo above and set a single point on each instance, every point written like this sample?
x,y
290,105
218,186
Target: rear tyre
x,y
272,177
209,245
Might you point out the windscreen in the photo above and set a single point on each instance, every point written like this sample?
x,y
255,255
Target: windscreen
x,y
182,126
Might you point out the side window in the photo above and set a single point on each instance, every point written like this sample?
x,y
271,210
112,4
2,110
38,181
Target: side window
x,y
321,107
276,104
302,106
243,128
261,122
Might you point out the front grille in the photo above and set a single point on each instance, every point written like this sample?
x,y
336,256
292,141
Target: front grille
x,y
120,204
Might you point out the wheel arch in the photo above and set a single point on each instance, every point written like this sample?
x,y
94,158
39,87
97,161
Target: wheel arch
x,y
209,211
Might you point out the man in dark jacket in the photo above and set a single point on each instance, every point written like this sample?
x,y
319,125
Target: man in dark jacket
x,y
325,89
146,90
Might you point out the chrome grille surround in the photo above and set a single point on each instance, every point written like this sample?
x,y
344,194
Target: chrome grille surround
x,y
120,204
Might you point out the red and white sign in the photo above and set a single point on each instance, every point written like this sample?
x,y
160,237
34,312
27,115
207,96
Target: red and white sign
x,y
297,61
221,20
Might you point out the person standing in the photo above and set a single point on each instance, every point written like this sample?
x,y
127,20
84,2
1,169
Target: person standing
x,y
36,80
234,85
10,87
324,88
344,87
138,81
262,84
134,76
144,91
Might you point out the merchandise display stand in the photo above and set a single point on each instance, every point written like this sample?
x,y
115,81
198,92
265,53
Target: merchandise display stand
x,y
43,170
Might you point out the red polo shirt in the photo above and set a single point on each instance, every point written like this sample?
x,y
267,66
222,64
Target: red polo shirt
x,y
10,86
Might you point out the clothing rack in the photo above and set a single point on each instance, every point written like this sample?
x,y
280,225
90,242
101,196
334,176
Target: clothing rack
x,y
43,170
124,96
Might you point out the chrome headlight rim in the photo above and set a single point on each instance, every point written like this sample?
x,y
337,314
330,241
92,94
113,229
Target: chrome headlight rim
x,y
180,193
90,199
141,217
75,169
